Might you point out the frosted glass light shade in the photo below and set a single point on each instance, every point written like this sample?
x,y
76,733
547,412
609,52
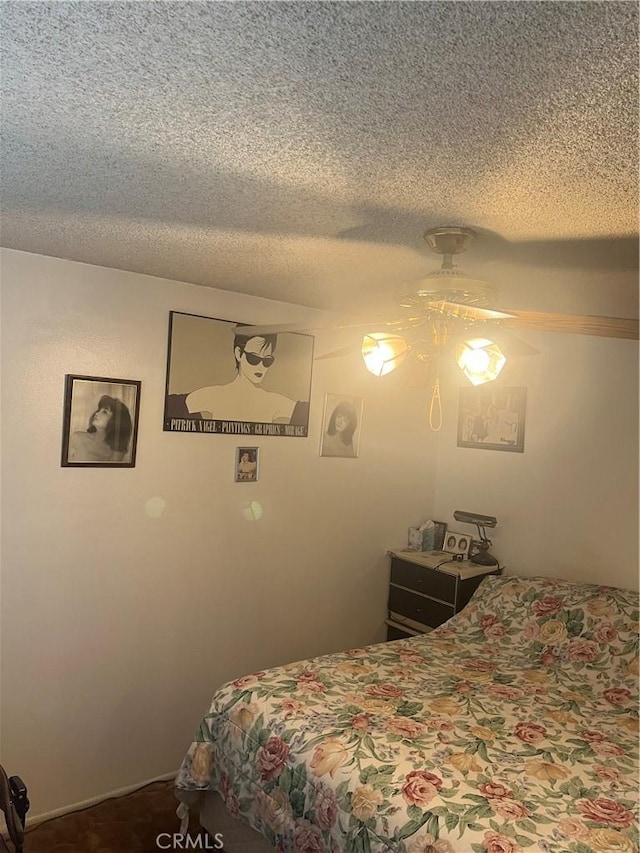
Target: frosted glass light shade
x,y
480,360
382,353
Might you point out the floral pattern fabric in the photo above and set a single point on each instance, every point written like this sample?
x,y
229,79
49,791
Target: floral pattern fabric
x,y
512,727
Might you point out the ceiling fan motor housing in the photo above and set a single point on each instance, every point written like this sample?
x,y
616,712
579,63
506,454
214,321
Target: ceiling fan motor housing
x,y
449,283
448,286
449,239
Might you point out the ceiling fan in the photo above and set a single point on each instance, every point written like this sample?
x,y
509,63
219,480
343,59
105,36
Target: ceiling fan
x,y
457,308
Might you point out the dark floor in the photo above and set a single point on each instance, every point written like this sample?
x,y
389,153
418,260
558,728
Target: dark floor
x,y
129,824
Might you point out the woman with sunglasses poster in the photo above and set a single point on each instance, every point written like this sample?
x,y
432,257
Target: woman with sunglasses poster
x,y
243,399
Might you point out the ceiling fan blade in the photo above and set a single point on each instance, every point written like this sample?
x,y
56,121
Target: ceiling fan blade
x,y
351,349
282,328
327,325
468,312
576,324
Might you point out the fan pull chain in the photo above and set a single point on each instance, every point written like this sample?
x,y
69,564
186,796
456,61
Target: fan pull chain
x,y
435,409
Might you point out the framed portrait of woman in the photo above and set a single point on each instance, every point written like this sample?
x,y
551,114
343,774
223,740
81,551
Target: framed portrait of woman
x,y
341,425
100,422
247,464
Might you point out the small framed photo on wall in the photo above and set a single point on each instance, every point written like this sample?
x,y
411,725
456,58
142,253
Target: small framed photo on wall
x,y
247,464
341,425
492,419
100,423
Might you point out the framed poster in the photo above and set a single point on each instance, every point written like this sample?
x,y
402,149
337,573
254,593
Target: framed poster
x,y
220,381
341,424
492,419
100,424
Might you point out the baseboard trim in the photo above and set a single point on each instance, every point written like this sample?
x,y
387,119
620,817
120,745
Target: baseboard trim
x,y
34,820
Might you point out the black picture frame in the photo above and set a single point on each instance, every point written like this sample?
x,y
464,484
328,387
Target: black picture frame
x,y
86,443
492,418
206,362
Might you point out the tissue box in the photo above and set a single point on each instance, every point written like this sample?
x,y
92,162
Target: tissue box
x,y
415,539
428,538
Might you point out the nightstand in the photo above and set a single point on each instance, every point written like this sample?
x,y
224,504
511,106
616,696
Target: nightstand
x,y
427,587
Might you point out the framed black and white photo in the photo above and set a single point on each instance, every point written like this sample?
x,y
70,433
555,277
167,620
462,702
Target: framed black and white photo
x,y
492,418
341,426
247,459
457,543
100,424
225,382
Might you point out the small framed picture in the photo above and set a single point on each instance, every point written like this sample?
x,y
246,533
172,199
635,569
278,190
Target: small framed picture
x,y
100,423
341,425
492,419
247,464
457,543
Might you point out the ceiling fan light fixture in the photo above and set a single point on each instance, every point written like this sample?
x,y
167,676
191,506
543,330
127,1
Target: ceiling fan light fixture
x,y
481,360
382,352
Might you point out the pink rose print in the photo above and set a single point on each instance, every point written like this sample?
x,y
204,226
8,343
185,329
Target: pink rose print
x,y
404,727
504,692
410,657
307,838
271,758
245,681
494,789
547,606
326,808
385,691
604,810
607,774
580,649
530,732
592,736
249,679
617,695
360,721
604,749
509,809
312,687
494,842
307,675
421,787
606,633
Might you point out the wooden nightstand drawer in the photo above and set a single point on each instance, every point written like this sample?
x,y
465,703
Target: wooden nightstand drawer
x,y
427,581
419,607
428,587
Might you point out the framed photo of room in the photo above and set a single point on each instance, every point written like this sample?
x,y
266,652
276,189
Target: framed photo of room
x,y
492,419
227,381
100,422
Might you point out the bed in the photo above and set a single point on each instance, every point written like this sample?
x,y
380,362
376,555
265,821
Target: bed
x,y
512,727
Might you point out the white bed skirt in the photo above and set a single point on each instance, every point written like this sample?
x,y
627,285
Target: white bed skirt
x,y
214,817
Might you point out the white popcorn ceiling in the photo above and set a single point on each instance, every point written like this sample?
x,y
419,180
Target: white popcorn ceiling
x,y
299,150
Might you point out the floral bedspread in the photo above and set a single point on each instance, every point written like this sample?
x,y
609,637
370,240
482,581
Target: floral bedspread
x,y
514,726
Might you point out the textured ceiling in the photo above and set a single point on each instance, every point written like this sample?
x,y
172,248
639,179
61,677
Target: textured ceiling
x,y
299,150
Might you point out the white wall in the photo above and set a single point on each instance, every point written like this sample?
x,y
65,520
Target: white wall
x,y
568,506
116,626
